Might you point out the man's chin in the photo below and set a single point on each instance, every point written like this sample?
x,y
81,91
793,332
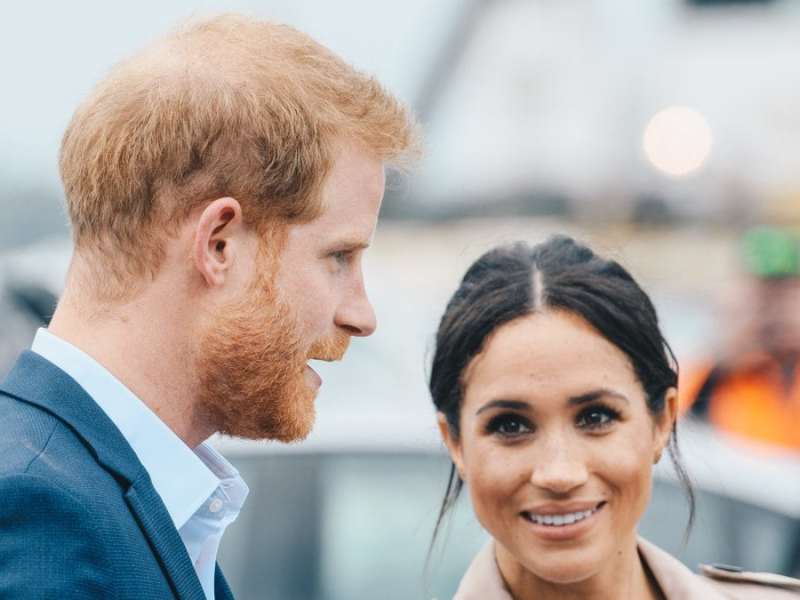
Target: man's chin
x,y
285,437
287,430
295,432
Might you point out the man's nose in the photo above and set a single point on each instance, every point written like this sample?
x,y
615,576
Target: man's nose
x,y
559,467
356,314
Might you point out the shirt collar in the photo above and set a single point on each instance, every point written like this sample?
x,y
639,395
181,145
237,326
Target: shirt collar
x,y
182,477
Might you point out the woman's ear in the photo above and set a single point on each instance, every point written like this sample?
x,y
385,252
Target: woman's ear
x,y
665,423
214,239
452,443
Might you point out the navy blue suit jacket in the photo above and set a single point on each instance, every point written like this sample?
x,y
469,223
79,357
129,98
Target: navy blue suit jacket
x,y
79,517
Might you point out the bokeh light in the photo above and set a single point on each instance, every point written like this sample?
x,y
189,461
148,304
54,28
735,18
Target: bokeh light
x,y
677,140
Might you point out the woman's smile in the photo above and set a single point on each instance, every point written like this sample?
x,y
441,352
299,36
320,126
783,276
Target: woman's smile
x,y
562,524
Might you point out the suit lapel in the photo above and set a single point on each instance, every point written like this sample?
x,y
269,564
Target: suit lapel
x,y
36,381
221,589
146,505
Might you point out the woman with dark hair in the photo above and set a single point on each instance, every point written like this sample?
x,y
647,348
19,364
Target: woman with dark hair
x,y
556,393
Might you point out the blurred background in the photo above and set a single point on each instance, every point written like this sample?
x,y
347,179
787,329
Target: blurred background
x,y
666,134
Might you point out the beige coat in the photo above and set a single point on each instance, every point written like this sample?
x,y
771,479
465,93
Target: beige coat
x,y
483,581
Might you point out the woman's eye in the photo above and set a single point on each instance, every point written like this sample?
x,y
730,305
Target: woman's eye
x,y
509,426
597,418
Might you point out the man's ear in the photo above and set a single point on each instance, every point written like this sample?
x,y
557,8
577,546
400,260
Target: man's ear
x,y
453,445
666,422
214,245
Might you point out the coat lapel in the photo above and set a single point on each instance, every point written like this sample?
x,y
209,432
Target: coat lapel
x,y
673,577
221,589
36,381
149,510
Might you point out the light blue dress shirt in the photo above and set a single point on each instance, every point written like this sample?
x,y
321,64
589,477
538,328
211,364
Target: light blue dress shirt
x,y
202,491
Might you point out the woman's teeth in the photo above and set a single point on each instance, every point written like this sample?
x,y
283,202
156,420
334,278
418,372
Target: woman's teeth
x,y
560,520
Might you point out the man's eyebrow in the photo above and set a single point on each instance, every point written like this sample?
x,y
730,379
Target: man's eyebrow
x,y
350,244
596,395
512,404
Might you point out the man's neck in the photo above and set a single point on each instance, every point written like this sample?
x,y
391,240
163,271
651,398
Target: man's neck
x,y
146,350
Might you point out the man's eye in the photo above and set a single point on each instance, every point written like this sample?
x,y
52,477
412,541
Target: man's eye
x,y
342,256
597,417
508,426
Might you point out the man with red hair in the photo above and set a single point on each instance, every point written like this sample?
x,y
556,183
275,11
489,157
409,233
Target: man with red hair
x,y
222,186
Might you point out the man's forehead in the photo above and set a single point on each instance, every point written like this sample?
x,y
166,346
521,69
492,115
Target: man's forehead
x,y
346,233
351,220
348,236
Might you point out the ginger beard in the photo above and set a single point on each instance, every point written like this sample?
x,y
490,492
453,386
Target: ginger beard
x,y
251,366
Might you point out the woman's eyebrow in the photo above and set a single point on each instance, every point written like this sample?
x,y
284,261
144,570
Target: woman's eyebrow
x,y
512,404
572,401
596,395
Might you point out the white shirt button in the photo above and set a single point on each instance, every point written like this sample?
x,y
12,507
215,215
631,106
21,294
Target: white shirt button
x,y
215,505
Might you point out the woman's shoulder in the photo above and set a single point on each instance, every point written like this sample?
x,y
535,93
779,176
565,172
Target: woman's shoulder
x,y
715,582
744,585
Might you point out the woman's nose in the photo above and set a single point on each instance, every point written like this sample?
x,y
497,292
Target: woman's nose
x,y
559,467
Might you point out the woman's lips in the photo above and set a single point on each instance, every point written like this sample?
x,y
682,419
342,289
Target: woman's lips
x,y
558,525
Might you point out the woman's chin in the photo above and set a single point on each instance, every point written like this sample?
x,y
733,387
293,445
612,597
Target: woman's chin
x,y
564,574
565,567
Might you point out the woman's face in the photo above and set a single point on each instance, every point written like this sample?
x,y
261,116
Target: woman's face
x,y
557,446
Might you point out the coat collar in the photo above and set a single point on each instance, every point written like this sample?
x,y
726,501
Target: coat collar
x,y
483,580
36,381
673,577
160,451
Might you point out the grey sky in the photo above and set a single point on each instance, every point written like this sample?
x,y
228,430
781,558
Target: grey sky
x,y
53,53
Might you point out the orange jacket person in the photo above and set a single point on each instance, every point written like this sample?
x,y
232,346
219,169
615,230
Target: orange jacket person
x,y
752,389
